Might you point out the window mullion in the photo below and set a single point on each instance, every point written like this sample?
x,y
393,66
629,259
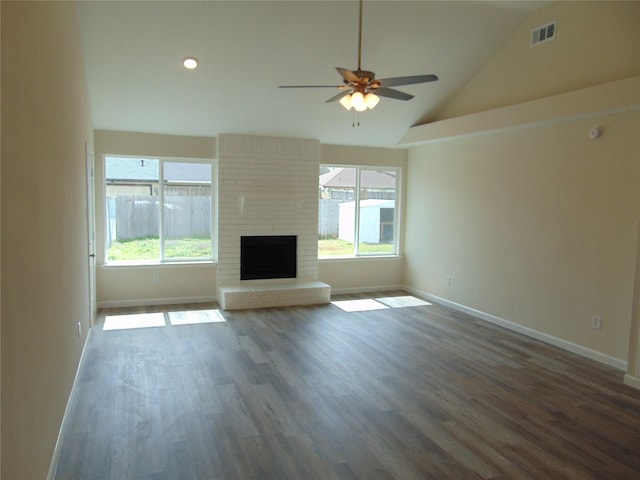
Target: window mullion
x,y
397,213
356,230
161,212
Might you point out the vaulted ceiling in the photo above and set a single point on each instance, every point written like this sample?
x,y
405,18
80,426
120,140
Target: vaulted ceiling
x,y
246,49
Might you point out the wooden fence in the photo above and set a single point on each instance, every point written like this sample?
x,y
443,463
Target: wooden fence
x,y
328,218
133,216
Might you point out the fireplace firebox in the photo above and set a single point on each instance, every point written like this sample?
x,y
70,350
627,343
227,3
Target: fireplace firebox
x,y
264,257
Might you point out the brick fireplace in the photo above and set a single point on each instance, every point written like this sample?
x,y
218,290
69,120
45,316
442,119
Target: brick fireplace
x,y
268,187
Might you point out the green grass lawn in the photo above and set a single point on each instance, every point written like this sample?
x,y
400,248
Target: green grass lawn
x,y
197,248
149,249
336,247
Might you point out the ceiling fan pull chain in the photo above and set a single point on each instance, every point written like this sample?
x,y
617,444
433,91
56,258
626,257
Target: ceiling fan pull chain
x,y
355,119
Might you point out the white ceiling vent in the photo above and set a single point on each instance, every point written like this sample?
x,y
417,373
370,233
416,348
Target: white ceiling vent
x,y
543,34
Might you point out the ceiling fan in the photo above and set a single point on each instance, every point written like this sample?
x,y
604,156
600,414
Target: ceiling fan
x,y
361,90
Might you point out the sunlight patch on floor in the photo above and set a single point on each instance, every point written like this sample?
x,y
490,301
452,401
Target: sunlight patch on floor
x,y
366,304
360,305
135,320
404,301
148,320
190,317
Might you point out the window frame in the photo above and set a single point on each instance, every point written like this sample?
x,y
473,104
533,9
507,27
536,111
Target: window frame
x,y
161,212
357,192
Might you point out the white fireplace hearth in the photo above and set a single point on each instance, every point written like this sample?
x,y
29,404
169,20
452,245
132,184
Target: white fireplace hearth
x,y
262,295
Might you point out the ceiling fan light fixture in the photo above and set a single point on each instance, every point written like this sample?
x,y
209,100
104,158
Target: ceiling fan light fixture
x,y
371,100
346,101
357,102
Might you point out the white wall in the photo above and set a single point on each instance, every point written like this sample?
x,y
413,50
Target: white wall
x,y
45,124
596,42
347,275
538,225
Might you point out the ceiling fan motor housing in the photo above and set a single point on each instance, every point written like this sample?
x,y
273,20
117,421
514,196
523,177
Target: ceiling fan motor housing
x,y
366,81
364,75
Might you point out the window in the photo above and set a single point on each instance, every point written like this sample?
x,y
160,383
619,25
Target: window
x,y
158,210
357,211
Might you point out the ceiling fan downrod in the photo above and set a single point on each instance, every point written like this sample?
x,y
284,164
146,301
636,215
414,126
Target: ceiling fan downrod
x,y
360,37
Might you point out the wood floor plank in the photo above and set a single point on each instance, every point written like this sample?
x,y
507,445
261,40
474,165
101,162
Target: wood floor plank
x,y
419,392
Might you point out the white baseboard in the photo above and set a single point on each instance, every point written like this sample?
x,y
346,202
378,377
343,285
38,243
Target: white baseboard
x,y
57,449
529,332
143,302
632,381
379,288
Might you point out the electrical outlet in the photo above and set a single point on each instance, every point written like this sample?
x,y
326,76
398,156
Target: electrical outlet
x,y
79,329
596,323
447,279
155,278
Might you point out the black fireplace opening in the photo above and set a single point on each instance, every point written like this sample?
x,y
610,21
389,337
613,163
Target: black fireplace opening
x,y
263,257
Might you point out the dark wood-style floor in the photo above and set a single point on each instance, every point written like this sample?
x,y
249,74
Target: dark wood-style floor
x,y
319,393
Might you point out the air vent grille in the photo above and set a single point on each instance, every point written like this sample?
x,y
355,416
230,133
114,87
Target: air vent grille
x,y
543,34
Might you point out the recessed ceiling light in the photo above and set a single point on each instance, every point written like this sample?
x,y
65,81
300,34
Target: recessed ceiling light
x,y
190,63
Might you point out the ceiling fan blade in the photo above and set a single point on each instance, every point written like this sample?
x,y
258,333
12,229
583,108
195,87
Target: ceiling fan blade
x,y
348,75
410,80
312,86
338,96
390,93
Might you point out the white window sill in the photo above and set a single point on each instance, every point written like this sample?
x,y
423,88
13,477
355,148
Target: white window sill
x,y
343,258
157,264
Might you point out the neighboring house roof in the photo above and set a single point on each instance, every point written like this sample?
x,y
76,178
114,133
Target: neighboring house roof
x,y
147,170
346,177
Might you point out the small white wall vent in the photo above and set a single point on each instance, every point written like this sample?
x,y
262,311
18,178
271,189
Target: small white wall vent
x,y
543,34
